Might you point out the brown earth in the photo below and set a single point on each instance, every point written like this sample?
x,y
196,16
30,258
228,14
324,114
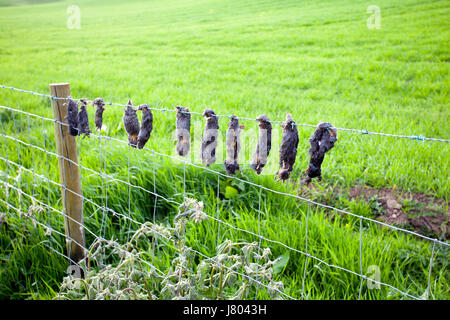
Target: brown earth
x,y
420,212
417,212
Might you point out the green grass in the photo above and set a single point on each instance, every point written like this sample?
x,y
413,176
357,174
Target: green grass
x,y
317,61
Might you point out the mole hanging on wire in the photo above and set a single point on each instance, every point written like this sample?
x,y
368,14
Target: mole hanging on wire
x,y
233,145
131,124
183,131
146,125
321,141
288,148
264,144
83,120
99,108
210,135
72,116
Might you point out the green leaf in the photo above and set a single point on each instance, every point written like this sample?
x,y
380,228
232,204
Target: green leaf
x,y
230,192
238,184
281,264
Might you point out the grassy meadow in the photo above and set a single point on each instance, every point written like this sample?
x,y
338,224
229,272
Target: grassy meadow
x,y
317,60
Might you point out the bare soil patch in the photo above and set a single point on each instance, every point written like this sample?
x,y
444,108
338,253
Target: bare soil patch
x,y
416,211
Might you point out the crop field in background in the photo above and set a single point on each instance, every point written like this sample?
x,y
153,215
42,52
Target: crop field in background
x,y
317,60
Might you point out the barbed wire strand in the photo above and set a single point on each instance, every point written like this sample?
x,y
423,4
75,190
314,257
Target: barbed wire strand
x,y
325,206
238,229
34,219
360,131
115,213
190,249
261,187
96,237
86,168
296,197
233,177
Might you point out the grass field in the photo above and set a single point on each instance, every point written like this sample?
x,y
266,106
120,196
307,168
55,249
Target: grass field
x,y
317,60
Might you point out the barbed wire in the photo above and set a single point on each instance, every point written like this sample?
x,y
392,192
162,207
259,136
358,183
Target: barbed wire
x,y
96,237
363,277
115,213
360,131
217,219
171,239
98,206
100,238
102,175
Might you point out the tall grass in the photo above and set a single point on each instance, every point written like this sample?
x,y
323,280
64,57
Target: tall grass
x,y
316,60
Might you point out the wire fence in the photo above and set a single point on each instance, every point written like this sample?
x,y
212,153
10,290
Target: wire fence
x,y
359,131
97,202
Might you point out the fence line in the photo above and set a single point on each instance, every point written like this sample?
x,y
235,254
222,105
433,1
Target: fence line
x,y
359,131
363,277
96,237
139,223
325,206
217,219
98,206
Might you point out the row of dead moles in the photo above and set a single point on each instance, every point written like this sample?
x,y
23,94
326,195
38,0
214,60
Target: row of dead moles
x,y
322,140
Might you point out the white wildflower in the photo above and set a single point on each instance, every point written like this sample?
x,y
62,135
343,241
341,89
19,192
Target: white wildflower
x,y
198,216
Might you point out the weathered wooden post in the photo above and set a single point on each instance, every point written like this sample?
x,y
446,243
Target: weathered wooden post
x,y
66,146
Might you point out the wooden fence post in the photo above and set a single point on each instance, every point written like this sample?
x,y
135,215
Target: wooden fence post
x,y
66,146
